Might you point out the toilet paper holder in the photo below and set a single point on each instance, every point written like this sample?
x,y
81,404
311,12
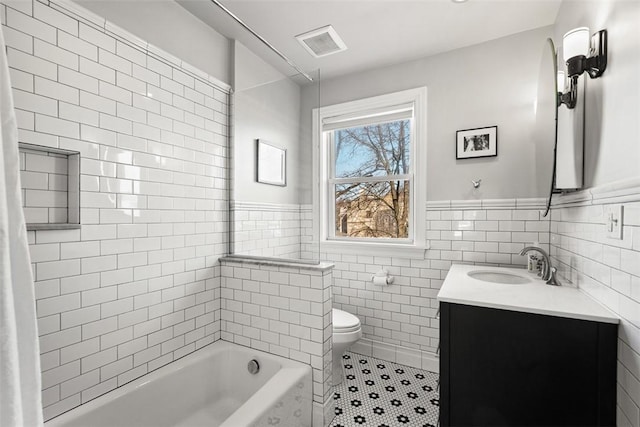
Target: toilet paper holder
x,y
382,278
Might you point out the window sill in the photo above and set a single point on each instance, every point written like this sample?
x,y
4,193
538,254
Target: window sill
x,y
375,249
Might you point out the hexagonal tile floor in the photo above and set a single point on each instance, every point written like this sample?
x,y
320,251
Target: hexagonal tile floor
x,y
382,394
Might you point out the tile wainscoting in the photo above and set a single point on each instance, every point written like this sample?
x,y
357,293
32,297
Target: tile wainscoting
x,y
399,321
138,285
607,269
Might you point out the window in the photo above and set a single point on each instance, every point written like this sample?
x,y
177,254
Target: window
x,y
370,177
373,170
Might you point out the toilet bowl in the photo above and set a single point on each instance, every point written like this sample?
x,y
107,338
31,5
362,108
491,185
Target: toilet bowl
x,y
346,331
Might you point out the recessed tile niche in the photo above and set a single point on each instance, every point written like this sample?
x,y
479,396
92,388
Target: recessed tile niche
x,y
50,179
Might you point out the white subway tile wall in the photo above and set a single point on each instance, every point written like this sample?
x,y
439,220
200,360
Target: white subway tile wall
x,y
284,311
44,186
609,271
404,314
137,286
272,230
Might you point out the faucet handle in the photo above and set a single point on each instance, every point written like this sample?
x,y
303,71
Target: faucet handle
x,y
552,278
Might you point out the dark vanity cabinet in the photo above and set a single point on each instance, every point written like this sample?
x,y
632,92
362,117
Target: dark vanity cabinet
x,y
509,368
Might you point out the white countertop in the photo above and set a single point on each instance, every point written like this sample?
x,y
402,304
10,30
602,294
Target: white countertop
x,y
532,297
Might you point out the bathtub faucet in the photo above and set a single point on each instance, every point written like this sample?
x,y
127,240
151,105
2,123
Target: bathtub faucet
x,y
548,272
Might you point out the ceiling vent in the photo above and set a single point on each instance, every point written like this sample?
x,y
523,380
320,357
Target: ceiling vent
x,y
322,41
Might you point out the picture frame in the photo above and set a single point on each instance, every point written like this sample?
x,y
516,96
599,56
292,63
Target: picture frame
x,y
271,164
478,142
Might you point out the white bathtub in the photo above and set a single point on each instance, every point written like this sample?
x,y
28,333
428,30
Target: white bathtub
x,y
211,387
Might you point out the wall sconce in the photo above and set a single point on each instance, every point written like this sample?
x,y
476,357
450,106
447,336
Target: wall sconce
x,y
582,54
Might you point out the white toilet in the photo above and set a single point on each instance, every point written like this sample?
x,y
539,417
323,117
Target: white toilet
x,y
346,331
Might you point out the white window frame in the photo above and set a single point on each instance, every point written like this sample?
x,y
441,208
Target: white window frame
x,y
324,211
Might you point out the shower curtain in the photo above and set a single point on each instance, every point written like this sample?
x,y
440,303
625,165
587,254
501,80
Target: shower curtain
x,y
20,401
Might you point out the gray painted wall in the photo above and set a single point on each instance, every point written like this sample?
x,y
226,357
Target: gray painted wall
x,y
492,83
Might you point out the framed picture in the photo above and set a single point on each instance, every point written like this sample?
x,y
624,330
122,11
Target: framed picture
x,y
480,142
271,164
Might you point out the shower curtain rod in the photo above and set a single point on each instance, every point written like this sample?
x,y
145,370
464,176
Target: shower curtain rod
x,y
269,45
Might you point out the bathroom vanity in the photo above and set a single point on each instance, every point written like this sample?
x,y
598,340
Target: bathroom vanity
x,y
517,352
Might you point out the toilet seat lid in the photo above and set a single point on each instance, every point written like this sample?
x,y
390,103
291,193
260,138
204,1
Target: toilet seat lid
x,y
343,321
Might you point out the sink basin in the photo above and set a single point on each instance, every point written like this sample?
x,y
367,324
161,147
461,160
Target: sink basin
x,y
498,277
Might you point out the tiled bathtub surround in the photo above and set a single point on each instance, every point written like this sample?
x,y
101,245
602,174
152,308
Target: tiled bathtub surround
x,y
285,310
136,287
399,321
608,270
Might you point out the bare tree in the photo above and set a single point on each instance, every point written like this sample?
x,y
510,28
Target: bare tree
x,y
380,208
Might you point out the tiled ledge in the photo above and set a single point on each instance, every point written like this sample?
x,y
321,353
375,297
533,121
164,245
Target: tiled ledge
x,y
530,203
623,191
52,226
275,262
257,206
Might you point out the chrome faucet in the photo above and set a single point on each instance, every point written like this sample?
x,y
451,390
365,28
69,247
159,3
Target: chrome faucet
x,y
548,272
